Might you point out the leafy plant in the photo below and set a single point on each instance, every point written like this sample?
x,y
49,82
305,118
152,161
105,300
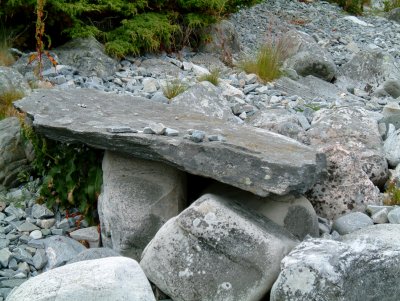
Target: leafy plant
x,y
71,173
267,62
6,99
393,193
174,88
212,77
390,4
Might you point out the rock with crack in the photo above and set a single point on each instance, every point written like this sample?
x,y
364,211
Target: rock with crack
x,y
251,159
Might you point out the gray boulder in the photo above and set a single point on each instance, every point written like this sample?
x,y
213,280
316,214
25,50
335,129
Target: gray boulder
x,y
159,68
368,69
224,40
204,98
59,250
355,130
345,188
363,265
351,222
11,81
394,15
88,56
311,87
251,159
392,146
216,250
391,115
138,197
112,278
13,152
30,71
306,57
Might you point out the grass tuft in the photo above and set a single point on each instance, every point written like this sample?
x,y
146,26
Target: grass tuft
x,y
174,88
6,58
267,62
6,103
212,77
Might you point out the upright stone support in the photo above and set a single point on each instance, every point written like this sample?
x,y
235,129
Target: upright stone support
x,y
138,197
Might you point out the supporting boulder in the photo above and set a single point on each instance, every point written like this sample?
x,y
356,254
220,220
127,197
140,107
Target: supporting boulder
x,y
138,197
216,250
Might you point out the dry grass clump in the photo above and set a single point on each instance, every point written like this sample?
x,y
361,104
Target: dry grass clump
x,y
6,58
212,77
6,103
174,88
267,62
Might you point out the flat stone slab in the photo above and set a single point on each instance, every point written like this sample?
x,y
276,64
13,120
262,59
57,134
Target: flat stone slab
x,y
250,158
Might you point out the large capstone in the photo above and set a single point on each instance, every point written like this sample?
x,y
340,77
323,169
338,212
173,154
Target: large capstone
x,y
251,159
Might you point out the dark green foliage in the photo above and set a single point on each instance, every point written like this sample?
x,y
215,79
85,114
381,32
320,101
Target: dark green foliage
x,y
354,7
71,173
125,26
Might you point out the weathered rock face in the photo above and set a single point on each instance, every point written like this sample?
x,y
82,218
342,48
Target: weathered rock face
x,y
204,98
113,278
394,15
356,131
364,265
11,81
307,57
369,69
87,56
345,188
216,250
251,159
13,159
138,197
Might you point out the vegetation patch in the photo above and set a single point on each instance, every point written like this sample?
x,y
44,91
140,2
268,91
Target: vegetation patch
x,y
212,77
393,194
124,26
71,174
6,103
267,61
174,88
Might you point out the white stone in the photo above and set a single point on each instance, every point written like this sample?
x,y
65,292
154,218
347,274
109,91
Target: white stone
x,y
106,279
36,234
356,20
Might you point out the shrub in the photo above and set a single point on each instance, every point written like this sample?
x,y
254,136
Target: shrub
x,y
125,26
174,88
71,173
212,77
390,4
355,7
267,62
393,194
